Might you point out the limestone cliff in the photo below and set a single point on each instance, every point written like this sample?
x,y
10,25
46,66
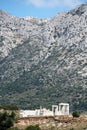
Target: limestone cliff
x,y
44,61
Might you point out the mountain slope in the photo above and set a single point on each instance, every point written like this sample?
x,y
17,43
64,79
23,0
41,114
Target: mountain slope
x,y
44,61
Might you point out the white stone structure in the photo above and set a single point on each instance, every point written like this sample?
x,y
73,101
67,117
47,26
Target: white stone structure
x,y
62,109
55,109
27,113
45,112
37,112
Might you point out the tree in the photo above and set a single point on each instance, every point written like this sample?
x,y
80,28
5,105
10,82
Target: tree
x,y
6,120
76,114
13,115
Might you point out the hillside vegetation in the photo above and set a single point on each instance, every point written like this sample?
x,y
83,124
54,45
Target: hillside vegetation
x,y
44,61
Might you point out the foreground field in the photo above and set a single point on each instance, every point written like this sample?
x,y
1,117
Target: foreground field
x,y
54,123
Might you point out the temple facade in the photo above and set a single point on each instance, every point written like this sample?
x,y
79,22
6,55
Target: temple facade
x,y
61,109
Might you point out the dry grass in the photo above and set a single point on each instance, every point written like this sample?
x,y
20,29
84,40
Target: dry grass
x,y
57,123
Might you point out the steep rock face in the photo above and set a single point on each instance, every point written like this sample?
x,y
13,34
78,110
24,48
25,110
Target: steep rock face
x,y
44,61
15,30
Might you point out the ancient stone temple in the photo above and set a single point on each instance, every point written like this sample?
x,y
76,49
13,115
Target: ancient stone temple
x,y
61,109
64,108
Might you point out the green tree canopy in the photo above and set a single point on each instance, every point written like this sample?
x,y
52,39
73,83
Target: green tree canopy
x,y
6,120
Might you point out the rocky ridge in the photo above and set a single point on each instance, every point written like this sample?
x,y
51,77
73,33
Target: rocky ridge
x,y
44,61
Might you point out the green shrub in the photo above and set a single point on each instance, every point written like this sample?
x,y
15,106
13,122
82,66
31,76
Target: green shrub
x,y
13,128
76,114
72,129
31,127
6,120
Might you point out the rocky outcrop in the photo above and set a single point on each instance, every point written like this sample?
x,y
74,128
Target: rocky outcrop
x,y
44,61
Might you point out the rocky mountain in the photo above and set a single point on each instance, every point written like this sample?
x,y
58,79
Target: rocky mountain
x,y
44,61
